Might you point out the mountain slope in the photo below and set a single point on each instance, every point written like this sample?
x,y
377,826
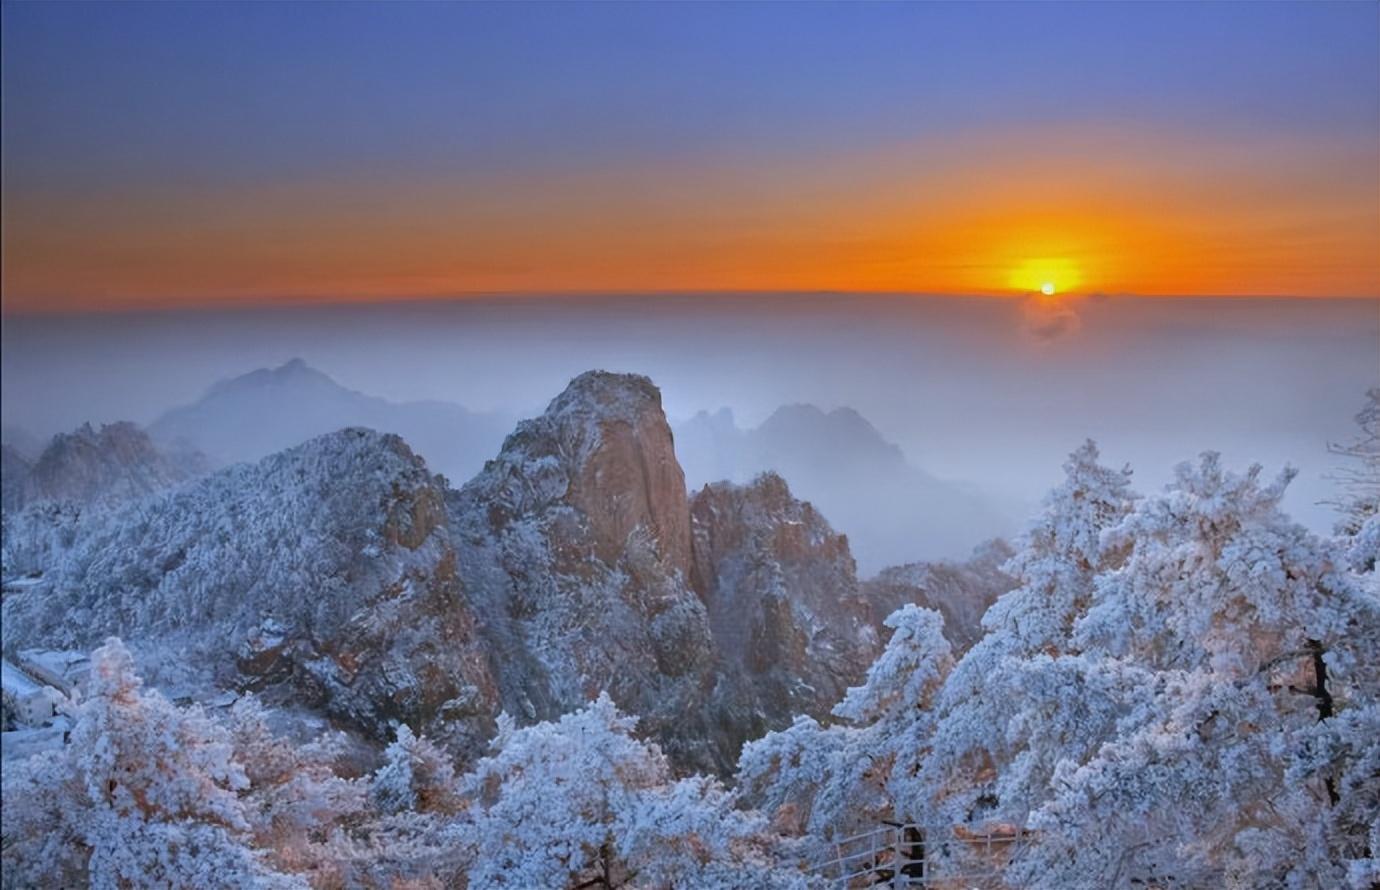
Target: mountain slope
x,y
325,569
790,625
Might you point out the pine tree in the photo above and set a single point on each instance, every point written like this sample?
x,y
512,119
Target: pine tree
x,y
580,802
145,794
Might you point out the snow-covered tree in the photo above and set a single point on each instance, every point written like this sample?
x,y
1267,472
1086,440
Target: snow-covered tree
x,y
1359,484
416,775
1359,479
688,834
295,801
1060,556
995,712
1258,646
1343,754
829,782
580,802
145,794
903,680
1181,692
819,781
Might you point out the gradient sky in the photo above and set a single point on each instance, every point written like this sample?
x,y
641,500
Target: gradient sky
x,y
186,154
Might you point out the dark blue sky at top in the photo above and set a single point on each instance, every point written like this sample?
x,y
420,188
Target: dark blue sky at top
x,y
123,95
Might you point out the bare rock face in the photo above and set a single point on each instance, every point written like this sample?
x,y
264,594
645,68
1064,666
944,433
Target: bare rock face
x,y
575,546
604,449
960,591
323,574
117,463
781,589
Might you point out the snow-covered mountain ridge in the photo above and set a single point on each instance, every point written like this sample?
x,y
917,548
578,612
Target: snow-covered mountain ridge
x,y
343,574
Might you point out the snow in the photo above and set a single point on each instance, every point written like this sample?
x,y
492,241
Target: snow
x,y
60,668
18,683
32,703
20,744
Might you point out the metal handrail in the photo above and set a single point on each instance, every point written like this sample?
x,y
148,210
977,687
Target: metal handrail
x,y
910,854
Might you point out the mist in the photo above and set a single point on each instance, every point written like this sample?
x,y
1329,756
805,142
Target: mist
x,y
986,394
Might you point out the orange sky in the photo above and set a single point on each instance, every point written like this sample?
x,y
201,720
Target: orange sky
x,y
190,154
1106,209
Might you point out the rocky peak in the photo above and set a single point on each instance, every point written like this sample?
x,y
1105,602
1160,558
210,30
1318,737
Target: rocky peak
x,y
603,448
574,542
294,372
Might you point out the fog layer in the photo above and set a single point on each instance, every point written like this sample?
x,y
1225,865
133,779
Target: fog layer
x,y
987,393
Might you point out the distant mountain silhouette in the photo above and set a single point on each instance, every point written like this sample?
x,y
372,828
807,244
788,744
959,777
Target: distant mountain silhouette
x,y
892,512
111,465
262,412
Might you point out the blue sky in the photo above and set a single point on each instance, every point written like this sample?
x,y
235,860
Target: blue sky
x,y
272,89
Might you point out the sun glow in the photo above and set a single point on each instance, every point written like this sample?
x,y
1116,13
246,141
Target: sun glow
x,y
1045,275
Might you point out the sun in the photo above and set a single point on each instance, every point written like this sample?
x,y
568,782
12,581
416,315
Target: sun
x,y
1047,288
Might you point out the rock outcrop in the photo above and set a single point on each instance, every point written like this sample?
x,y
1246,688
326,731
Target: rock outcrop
x,y
575,544
781,589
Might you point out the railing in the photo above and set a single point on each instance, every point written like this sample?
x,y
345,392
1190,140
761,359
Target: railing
x,y
920,856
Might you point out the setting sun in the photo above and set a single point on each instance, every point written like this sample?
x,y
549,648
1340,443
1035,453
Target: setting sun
x,y
1047,289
